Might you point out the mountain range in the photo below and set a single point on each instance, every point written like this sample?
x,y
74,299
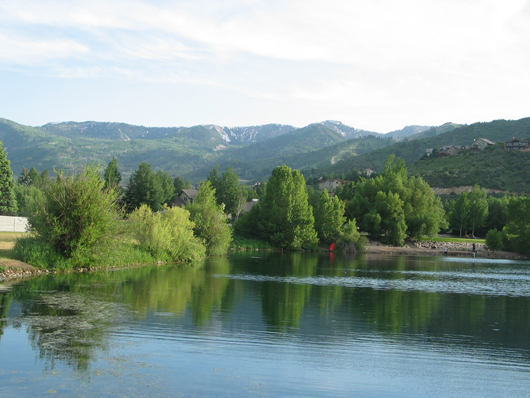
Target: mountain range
x,y
328,147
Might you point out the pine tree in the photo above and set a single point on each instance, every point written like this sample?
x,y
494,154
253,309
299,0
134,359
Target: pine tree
x,y
112,176
8,202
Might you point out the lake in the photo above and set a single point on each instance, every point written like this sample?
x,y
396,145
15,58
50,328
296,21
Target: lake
x,y
259,324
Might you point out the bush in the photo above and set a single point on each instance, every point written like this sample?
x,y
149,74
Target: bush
x,y
77,217
167,235
351,240
494,240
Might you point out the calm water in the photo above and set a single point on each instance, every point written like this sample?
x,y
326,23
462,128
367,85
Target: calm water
x,y
273,325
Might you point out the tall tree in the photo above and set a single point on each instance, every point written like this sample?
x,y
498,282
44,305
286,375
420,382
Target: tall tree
x,y
517,231
286,218
459,213
227,190
180,184
478,207
25,178
210,221
144,188
166,185
8,201
112,176
329,217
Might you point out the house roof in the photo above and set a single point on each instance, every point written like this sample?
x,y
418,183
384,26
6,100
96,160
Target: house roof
x,y
487,141
190,193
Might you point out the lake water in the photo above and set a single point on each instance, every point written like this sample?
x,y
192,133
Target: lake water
x,y
272,325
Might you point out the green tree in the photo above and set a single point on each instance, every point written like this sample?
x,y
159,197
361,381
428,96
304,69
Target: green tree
x,y
8,201
180,184
459,213
35,178
24,178
286,218
144,188
497,213
27,198
478,207
494,240
168,235
210,221
227,190
76,216
112,176
517,231
166,186
329,217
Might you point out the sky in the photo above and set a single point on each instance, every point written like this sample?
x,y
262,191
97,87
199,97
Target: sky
x,y
377,65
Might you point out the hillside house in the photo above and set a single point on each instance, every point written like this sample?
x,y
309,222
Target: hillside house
x,y
369,172
449,150
517,144
185,197
480,144
330,185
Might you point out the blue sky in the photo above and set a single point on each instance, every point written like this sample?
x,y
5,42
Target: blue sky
x,y
373,64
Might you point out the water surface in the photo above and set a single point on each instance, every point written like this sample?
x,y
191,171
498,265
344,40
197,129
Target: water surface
x,y
277,325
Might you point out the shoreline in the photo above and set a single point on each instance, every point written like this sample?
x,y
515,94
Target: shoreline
x,y
13,270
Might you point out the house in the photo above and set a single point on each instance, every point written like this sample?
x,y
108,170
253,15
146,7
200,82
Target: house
x,y
330,185
185,197
369,172
480,144
448,150
517,144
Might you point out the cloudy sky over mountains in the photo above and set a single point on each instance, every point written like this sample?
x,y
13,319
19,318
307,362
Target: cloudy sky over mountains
x,y
373,64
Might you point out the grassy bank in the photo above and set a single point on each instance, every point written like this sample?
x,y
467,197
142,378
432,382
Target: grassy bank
x,y
453,240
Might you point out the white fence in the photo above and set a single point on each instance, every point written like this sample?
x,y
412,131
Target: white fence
x,y
13,224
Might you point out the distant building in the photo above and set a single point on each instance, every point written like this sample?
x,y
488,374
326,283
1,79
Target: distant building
x,y
185,197
368,172
330,185
480,143
249,205
517,144
449,150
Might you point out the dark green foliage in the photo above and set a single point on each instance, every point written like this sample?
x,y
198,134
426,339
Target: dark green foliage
x,y
393,206
478,207
210,221
27,198
469,211
285,216
24,178
494,240
329,217
76,216
112,176
517,231
228,192
351,241
180,184
8,201
146,187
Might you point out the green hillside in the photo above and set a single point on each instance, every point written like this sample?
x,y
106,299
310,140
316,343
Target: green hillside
x,y
494,168
412,150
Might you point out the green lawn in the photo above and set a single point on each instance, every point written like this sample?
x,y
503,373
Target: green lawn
x,y
451,239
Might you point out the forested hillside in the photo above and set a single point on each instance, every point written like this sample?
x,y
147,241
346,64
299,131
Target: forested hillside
x,y
413,150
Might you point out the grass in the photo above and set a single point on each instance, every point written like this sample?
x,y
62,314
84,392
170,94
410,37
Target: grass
x,y
241,243
451,239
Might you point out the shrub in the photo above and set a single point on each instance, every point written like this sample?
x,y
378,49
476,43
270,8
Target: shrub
x,y
351,240
167,235
77,217
494,240
40,254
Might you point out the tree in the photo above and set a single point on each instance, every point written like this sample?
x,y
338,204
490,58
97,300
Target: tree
x,y
144,188
459,210
166,186
286,218
168,235
8,201
494,240
329,217
227,190
478,207
76,216
517,231
391,206
112,176
24,178
179,184
210,221
35,178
